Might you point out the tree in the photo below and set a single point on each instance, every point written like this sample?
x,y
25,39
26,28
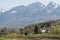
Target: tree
x,y
21,31
36,30
3,31
26,33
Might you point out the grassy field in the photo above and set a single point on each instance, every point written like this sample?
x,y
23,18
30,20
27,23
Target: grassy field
x,y
31,36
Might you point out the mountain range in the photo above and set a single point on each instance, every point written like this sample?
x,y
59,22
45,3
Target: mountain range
x,y
33,13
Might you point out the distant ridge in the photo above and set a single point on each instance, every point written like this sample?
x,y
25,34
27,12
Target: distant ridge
x,y
34,13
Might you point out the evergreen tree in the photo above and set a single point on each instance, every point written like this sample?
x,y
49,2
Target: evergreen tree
x,y
36,30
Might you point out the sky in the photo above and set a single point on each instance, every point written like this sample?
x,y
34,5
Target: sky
x,y
8,4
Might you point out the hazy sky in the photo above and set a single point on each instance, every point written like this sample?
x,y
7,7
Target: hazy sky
x,y
8,4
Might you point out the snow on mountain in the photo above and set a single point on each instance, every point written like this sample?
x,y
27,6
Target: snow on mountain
x,y
13,11
2,10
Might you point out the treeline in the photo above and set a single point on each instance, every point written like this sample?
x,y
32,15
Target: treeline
x,y
44,27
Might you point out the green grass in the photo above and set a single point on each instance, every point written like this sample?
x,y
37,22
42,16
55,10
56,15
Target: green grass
x,y
29,36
